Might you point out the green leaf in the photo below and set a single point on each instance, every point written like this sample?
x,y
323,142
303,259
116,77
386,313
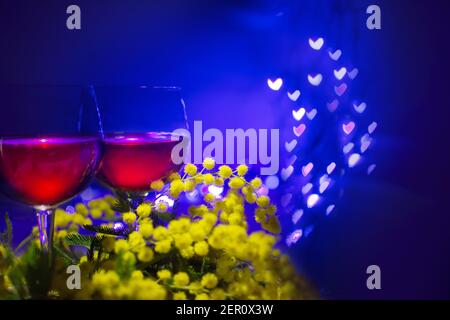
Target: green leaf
x,y
106,230
37,272
66,257
76,239
9,230
7,235
165,216
122,204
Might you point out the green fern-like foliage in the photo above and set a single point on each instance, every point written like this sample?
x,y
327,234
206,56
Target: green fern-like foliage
x,y
76,239
7,235
106,230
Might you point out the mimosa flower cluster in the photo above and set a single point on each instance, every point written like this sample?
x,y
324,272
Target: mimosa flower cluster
x,y
208,252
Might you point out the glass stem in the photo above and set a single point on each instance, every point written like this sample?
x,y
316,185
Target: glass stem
x,y
46,224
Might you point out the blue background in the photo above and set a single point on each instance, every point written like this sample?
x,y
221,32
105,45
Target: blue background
x,y
221,53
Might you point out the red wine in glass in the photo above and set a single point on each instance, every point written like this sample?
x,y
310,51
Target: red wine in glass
x,y
49,147
132,161
141,126
47,171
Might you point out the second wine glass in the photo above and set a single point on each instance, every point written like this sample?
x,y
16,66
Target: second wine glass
x,y
139,124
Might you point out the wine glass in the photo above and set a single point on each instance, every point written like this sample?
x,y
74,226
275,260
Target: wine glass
x,y
49,147
142,125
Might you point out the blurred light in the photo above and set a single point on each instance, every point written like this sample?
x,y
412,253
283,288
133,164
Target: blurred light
x,y
316,44
360,107
298,131
371,168
286,199
275,85
87,194
315,80
294,237
192,196
353,160
372,127
348,127
118,225
298,115
272,182
323,178
335,55
352,74
312,200
215,190
323,186
165,199
286,172
331,167
297,216
340,74
294,95
307,169
70,209
307,188
348,147
312,114
330,208
263,191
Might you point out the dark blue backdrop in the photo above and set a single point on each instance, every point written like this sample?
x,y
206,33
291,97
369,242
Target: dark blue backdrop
x,y
220,51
